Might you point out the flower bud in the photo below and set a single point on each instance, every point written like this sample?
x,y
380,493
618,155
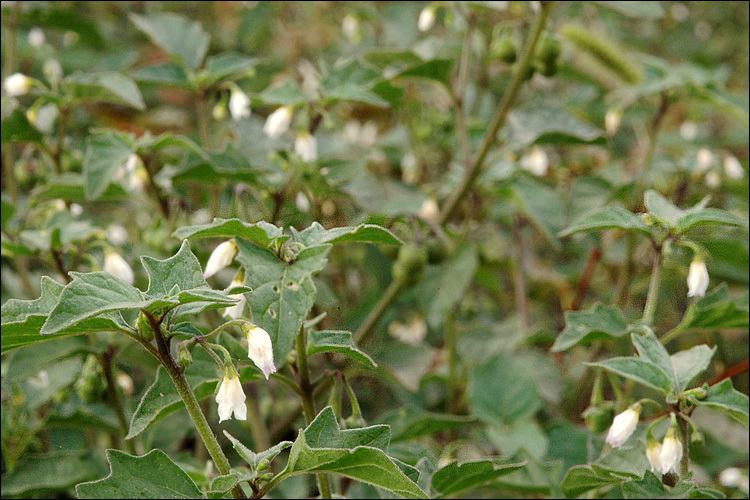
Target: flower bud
x,y
733,168
712,180
429,210
612,121
115,265
17,85
697,279
704,159
259,348
426,19
184,358
239,104
671,452
231,397
144,328
623,426
278,122
536,162
221,257
306,147
36,37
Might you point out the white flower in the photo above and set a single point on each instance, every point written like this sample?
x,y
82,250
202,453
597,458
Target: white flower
x,y
623,426
137,181
231,398
429,210
221,257
302,202
259,348
117,235
612,121
125,383
278,122
426,19
130,164
306,147
733,168
733,477
17,84
236,311
704,159
671,453
412,332
350,27
689,131
712,180
75,209
697,279
239,104
36,37
115,265
535,162
653,450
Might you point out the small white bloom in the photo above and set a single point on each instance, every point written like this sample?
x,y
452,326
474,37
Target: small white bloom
x,y
653,450
536,162
59,205
231,398
429,210
221,257
679,12
306,147
117,235
350,27
733,168
17,85
310,78
237,311
712,180
412,332
36,37
125,383
43,117
733,477
115,265
259,348
623,426
130,164
137,181
75,209
704,159
40,380
302,202
612,121
426,19
278,122
697,279
671,453
239,104
689,131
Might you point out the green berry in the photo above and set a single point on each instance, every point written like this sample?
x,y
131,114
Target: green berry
x,y
408,267
549,49
504,49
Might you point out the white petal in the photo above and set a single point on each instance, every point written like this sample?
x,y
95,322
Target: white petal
x,y
117,266
17,84
278,122
697,279
733,168
306,147
221,257
239,105
426,19
260,349
622,427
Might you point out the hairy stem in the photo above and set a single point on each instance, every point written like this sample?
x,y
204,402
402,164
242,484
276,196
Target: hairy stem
x,y
653,290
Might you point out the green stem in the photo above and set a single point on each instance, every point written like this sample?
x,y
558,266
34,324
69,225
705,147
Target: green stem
x,y
653,290
499,119
8,171
519,280
685,438
308,403
653,135
365,330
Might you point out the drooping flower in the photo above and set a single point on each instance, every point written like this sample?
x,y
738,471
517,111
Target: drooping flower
x,y
306,147
259,348
231,397
278,122
704,159
221,257
17,84
733,477
671,452
236,311
536,162
733,168
429,210
115,265
239,104
426,19
653,450
697,279
623,426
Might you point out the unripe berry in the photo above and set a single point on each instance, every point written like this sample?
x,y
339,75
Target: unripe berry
x,y
408,267
504,49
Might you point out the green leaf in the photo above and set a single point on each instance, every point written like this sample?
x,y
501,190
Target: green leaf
x,y
725,398
182,270
542,205
254,459
154,475
456,275
456,476
227,66
57,471
22,320
72,187
640,370
637,10
105,152
708,216
110,87
547,123
261,233
286,94
354,453
166,73
439,70
17,129
662,209
176,36
599,322
339,342
409,423
690,363
384,196
365,233
681,220
65,20
652,487
716,311
502,391
583,478
611,217
651,349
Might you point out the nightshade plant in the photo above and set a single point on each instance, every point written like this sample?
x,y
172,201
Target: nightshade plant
x,y
425,250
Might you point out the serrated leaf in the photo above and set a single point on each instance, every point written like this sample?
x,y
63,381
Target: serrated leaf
x,y
261,233
339,342
457,476
690,363
153,475
611,217
599,322
175,35
583,478
725,398
254,459
228,65
324,432
105,153
640,370
283,293
182,270
110,87
681,220
708,216
716,311
316,234
652,487
547,123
